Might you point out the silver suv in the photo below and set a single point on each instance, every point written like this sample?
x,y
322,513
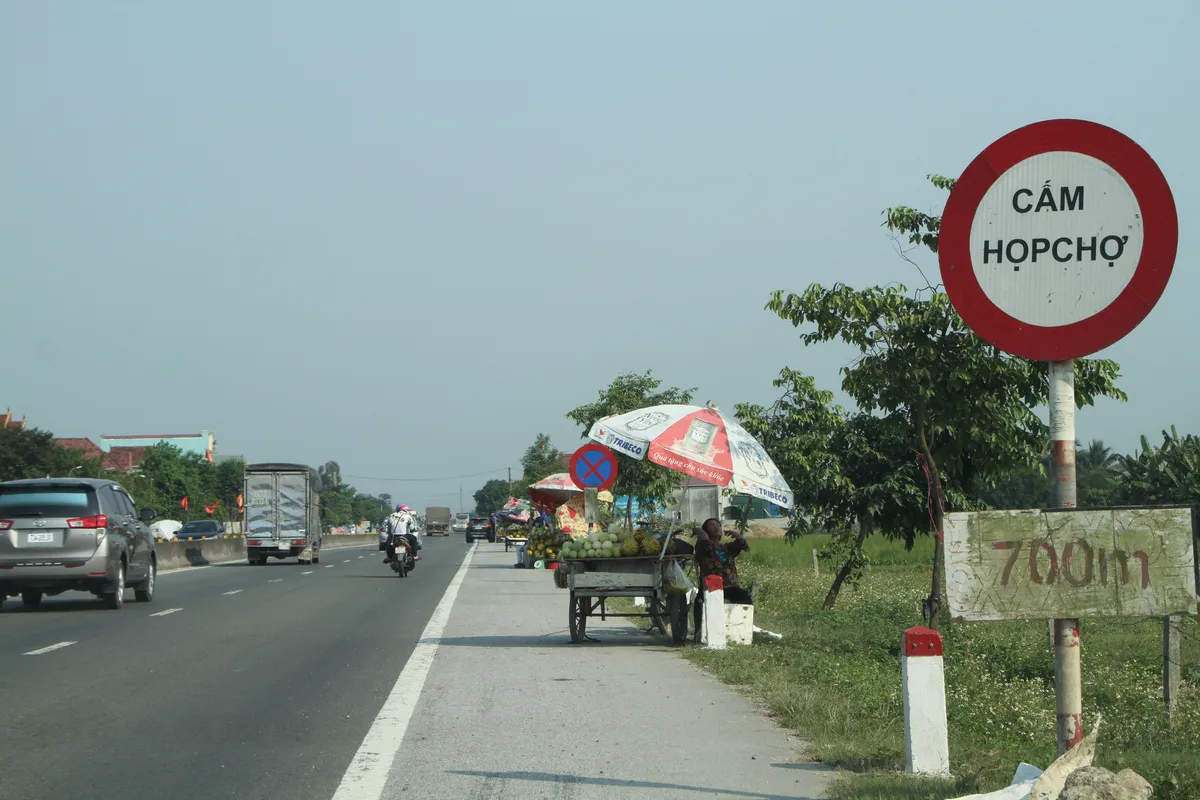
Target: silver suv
x,y
64,534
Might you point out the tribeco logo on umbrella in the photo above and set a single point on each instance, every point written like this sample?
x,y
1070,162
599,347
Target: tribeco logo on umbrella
x,y
611,439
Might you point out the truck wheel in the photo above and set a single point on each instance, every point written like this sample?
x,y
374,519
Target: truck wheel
x,y
469,539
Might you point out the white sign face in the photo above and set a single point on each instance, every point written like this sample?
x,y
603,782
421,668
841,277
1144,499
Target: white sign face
x,y
1056,239
1125,562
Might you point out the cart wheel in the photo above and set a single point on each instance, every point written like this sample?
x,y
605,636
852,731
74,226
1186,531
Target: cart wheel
x,y
577,612
677,611
657,615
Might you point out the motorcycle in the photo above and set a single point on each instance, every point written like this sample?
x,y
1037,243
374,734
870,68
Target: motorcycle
x,y
405,560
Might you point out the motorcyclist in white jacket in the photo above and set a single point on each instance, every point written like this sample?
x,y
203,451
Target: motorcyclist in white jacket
x,y
400,523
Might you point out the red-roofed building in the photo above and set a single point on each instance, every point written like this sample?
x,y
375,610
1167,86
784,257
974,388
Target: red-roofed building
x,y
7,421
84,446
124,459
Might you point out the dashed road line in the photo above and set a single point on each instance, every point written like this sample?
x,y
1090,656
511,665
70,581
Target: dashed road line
x,y
166,612
49,649
235,591
277,580
310,572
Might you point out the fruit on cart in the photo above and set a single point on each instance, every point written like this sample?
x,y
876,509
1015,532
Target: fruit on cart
x,y
651,546
629,548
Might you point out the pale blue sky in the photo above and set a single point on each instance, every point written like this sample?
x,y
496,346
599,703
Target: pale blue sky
x,y
452,197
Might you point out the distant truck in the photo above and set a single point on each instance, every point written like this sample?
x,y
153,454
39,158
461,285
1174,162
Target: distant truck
x,y
437,521
283,513
461,520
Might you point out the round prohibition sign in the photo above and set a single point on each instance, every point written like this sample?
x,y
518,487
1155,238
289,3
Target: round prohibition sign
x,y
1058,240
594,466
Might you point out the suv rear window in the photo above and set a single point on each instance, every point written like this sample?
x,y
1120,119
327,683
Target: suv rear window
x,y
47,501
463,516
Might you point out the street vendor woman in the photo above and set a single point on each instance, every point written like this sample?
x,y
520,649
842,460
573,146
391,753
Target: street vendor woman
x,y
713,557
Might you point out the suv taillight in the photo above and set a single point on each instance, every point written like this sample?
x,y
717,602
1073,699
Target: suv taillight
x,y
88,523
5,524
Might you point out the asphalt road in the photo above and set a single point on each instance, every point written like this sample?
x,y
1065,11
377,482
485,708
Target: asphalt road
x,y
236,682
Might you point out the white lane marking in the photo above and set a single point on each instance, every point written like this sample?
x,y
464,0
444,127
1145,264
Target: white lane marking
x,y
330,566
49,649
186,569
165,613
276,580
362,556
368,770
310,572
235,591
347,561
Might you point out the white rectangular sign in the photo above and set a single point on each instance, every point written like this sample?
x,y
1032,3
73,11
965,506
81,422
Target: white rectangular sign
x,y
1127,562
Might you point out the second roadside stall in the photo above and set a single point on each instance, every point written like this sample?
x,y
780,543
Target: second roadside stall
x,y
696,441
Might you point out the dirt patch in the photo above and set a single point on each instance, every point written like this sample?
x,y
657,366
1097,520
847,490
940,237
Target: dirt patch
x,y
761,531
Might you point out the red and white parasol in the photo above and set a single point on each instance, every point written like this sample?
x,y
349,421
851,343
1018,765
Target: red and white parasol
x,y
700,442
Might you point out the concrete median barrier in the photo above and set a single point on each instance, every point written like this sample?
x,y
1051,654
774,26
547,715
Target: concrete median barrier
x,y
203,552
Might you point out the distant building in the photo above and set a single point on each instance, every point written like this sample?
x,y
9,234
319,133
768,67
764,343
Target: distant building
x,y
7,421
123,459
84,446
203,443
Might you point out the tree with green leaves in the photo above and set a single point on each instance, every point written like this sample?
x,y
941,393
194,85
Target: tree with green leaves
x,y
1165,474
491,497
540,460
33,453
646,482
846,470
964,410
1095,474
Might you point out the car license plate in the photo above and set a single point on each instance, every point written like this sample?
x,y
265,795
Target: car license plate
x,y
284,546
40,538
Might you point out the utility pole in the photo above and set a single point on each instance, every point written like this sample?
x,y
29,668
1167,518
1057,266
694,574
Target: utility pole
x,y
510,481
460,505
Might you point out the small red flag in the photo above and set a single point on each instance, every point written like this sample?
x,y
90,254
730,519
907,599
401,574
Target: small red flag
x,y
183,503
208,455
239,501
213,507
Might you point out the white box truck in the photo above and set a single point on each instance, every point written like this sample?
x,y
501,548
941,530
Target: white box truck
x,y
283,513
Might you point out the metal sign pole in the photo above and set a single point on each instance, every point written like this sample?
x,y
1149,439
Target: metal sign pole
x,y
1068,687
591,505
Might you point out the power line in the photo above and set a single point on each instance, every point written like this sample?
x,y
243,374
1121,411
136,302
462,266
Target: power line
x,y
425,480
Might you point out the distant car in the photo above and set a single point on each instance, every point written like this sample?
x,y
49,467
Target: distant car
x,y
200,529
479,528
74,534
460,522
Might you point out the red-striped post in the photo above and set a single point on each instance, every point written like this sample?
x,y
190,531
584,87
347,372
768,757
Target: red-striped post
x,y
1068,680
714,612
923,676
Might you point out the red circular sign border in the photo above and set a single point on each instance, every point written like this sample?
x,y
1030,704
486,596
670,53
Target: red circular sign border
x,y
594,448
1106,327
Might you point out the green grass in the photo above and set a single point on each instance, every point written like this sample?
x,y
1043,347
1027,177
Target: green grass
x,y
835,679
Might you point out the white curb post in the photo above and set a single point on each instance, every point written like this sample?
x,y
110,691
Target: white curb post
x,y
926,738
714,612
